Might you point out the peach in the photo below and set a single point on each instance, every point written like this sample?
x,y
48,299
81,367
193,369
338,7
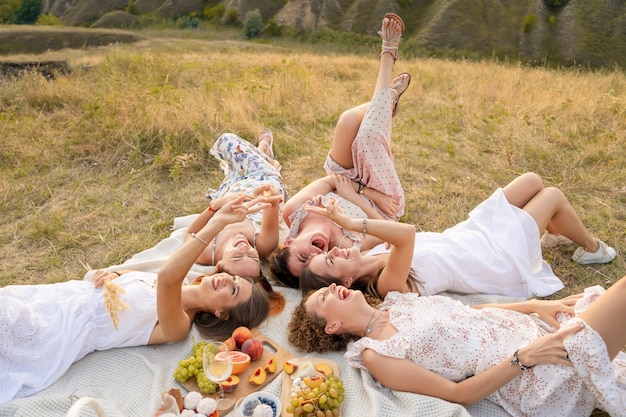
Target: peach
x,y
253,347
270,367
313,381
324,369
258,377
230,343
241,334
289,367
231,383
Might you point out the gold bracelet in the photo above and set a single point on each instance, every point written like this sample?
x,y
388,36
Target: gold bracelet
x,y
361,188
199,238
364,228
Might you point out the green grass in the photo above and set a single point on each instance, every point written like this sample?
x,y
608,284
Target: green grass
x,y
95,164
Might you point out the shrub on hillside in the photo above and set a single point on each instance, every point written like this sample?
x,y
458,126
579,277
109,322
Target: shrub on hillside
x,y
271,28
231,17
215,12
529,21
252,23
48,20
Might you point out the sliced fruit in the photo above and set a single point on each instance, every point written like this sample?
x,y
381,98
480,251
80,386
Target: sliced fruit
x,y
313,381
240,361
270,367
258,377
289,367
231,383
324,369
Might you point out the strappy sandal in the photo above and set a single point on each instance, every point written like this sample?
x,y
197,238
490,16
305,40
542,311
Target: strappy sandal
x,y
400,84
265,134
391,39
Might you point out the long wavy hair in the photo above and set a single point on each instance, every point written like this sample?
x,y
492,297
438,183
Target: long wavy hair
x,y
306,330
250,313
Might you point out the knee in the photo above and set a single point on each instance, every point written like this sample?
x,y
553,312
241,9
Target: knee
x,y
533,180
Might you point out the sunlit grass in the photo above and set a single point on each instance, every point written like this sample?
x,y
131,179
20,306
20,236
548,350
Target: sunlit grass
x,y
95,165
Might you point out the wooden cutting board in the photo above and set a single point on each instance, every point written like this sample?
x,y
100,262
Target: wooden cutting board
x,y
270,348
287,382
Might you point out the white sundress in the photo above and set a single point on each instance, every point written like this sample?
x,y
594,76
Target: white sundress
x,y
457,341
497,250
45,328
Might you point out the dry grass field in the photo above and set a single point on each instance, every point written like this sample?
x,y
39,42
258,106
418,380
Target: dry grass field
x,y
95,164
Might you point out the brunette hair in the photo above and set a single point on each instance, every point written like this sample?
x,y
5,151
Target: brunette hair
x,y
310,281
250,313
277,262
306,330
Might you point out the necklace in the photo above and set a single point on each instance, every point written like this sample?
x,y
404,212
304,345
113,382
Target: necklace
x,y
368,328
213,252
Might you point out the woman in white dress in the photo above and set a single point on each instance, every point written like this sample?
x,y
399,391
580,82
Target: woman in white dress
x,y
45,328
534,358
497,250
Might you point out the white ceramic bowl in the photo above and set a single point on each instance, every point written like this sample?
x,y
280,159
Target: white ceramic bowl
x,y
269,399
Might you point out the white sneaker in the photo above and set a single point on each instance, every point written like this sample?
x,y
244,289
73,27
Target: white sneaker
x,y
603,255
548,240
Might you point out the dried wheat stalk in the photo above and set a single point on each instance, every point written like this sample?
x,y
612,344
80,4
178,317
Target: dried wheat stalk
x,y
113,303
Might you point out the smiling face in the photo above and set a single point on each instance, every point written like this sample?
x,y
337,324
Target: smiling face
x,y
334,304
303,247
339,264
224,291
240,258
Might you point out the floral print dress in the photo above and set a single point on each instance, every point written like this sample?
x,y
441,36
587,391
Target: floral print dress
x,y
457,341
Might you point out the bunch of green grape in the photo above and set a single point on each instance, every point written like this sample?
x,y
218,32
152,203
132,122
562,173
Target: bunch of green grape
x,y
322,401
192,368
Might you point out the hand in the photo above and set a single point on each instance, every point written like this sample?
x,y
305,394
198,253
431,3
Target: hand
x,y
331,210
269,194
548,310
237,209
101,277
548,349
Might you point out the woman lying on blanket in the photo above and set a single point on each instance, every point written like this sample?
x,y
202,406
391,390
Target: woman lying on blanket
x,y
496,250
45,328
253,171
361,176
534,358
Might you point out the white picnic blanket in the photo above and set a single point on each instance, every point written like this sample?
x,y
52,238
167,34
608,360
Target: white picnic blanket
x,y
127,382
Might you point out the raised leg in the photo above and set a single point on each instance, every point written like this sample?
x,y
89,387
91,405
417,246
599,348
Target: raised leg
x,y
607,316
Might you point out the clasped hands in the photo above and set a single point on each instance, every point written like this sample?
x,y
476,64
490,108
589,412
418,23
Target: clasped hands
x,y
235,207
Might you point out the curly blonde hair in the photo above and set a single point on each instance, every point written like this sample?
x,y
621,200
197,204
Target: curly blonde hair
x,y
306,330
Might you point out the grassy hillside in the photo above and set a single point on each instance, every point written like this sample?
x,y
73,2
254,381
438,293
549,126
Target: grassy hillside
x,y
94,165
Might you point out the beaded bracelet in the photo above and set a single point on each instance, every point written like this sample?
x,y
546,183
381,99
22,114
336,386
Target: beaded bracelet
x,y
516,361
361,188
364,228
